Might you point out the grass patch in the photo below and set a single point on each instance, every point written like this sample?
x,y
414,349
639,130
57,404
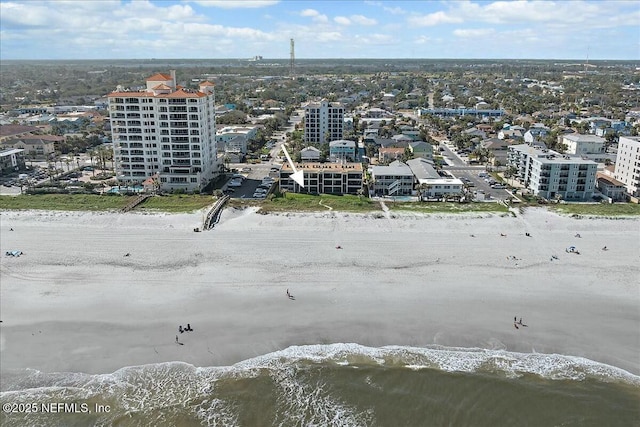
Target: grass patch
x,y
175,203
65,202
294,202
447,207
597,209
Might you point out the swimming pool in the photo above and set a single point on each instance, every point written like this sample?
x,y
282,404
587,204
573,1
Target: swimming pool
x,y
135,189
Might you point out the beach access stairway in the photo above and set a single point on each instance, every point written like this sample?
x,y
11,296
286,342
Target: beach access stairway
x,y
213,216
141,198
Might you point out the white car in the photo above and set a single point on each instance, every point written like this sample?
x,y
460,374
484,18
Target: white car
x,y
259,195
234,183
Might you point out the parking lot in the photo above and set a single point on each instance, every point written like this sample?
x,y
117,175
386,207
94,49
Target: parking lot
x,y
254,175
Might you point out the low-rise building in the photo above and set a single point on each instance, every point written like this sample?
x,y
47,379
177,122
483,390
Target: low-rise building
x,y
421,149
628,164
310,154
323,178
396,179
552,175
611,187
16,131
37,147
430,183
11,160
386,154
342,149
582,144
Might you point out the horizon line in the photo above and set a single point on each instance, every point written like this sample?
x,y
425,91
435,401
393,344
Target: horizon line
x,y
250,59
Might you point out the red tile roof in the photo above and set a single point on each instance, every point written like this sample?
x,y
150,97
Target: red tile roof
x,y
131,94
8,130
181,93
158,77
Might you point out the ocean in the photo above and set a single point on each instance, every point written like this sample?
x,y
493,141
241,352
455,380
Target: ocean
x,y
335,385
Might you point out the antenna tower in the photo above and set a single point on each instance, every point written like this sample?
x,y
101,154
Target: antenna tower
x,y
292,58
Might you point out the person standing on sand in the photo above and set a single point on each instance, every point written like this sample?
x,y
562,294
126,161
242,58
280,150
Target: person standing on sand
x,y
177,342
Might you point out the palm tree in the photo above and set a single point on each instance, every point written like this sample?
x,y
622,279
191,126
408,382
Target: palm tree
x,y
422,188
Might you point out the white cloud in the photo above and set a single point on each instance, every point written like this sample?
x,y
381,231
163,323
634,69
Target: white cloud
x,y
342,20
315,15
363,20
473,32
395,10
422,40
432,19
236,4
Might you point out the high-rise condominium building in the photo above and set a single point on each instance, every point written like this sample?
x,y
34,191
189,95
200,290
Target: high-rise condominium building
x,y
628,164
166,132
323,122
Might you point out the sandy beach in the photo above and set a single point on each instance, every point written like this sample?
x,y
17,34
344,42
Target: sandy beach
x,y
74,302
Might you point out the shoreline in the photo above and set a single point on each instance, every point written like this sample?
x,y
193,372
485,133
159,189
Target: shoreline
x,y
74,303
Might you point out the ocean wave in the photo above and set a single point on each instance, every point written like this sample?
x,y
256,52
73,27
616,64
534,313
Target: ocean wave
x,y
448,359
302,385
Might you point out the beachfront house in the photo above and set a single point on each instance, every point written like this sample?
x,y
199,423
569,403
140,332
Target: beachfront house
x,y
396,179
611,187
430,184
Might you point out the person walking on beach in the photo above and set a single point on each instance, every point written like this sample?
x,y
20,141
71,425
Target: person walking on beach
x,y
180,329
288,294
177,342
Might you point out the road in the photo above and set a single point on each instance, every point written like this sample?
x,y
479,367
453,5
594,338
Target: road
x,y
457,166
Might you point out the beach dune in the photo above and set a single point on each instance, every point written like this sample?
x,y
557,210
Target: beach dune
x,y
74,302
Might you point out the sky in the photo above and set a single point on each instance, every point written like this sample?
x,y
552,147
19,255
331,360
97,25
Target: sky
x,y
202,29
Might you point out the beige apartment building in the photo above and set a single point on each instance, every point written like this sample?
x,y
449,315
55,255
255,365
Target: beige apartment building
x,y
166,131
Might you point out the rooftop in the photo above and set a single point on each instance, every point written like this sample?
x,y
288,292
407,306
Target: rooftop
x,y
334,167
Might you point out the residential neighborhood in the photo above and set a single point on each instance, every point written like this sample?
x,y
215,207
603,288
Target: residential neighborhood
x,y
407,135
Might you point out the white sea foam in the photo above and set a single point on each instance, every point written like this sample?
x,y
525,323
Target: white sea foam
x,y
549,366
142,388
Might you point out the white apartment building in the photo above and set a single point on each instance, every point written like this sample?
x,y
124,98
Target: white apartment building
x,y
582,144
435,186
627,168
550,174
323,122
166,131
